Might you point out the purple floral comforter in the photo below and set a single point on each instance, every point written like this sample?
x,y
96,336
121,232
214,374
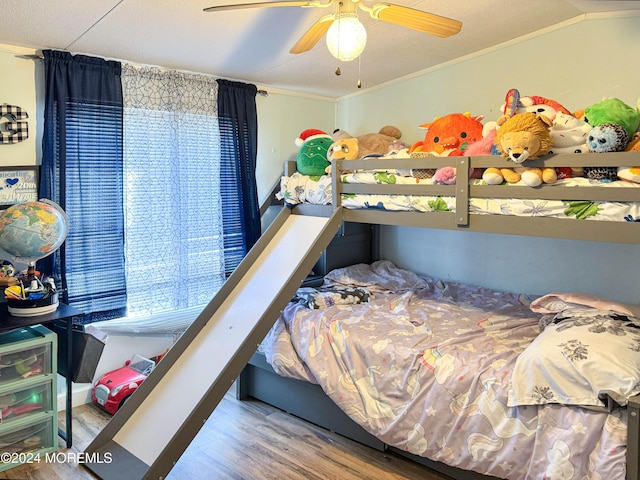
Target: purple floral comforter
x,y
426,367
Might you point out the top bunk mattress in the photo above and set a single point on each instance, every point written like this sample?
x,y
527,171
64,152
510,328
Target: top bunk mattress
x,y
298,189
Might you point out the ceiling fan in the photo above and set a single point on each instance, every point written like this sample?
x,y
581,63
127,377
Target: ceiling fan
x,y
347,9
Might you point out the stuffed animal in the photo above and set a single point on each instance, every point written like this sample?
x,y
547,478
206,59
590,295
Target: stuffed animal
x,y
607,137
569,135
567,132
522,137
486,145
445,176
483,147
312,154
631,174
450,135
447,136
346,147
613,110
397,148
515,104
613,124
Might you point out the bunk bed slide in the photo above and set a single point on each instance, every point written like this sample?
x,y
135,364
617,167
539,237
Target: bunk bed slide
x,y
149,433
471,382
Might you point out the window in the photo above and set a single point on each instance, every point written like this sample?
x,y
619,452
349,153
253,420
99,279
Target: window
x,y
157,218
173,244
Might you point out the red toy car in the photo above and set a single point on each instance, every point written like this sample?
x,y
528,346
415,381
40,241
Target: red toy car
x,y
113,388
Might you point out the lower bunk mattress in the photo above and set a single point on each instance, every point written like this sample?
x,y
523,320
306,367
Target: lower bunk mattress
x,y
297,189
485,381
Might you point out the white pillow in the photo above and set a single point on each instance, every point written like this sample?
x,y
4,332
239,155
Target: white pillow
x,y
584,356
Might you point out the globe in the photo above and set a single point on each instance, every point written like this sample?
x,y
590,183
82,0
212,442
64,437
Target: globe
x,y
32,230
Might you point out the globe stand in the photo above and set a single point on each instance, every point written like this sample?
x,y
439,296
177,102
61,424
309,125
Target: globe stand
x,y
30,231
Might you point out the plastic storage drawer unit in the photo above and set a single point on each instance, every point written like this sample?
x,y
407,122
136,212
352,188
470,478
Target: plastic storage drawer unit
x,y
28,395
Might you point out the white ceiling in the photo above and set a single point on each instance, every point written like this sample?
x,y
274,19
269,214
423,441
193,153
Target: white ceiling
x,y
252,45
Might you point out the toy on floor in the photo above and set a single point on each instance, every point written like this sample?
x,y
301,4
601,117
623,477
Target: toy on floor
x,y
114,388
522,137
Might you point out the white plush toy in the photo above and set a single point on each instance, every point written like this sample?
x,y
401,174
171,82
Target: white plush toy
x,y
569,134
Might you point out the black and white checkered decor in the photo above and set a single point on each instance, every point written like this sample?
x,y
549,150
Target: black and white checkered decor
x,y
15,129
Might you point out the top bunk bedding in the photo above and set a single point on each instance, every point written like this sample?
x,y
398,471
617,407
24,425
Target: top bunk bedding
x,y
393,191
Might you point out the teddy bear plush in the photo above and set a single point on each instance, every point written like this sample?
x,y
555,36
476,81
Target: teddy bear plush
x,y
347,147
522,137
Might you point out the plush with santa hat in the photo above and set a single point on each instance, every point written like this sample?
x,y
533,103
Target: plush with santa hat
x,y
312,155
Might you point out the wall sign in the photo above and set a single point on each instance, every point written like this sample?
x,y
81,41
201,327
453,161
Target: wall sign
x,y
18,184
13,127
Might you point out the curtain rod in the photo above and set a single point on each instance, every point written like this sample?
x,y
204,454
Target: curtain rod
x,y
39,56
34,56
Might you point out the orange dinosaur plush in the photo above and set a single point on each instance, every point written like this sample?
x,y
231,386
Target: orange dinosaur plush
x,y
450,135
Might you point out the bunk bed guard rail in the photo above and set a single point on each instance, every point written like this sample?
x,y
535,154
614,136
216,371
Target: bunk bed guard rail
x,y
465,189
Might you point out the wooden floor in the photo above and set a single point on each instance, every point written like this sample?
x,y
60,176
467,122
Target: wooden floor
x,y
246,440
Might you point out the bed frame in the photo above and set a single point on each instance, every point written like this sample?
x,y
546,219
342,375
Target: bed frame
x,y
622,232
309,402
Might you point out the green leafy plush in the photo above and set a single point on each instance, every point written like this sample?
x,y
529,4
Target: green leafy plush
x,y
581,209
439,205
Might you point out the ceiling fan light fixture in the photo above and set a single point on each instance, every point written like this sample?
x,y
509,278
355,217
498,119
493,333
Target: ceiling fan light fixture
x,y
346,37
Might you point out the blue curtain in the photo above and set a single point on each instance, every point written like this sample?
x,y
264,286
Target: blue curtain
x,y
238,119
82,171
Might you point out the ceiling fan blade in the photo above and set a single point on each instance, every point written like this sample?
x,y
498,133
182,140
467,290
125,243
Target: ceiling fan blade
x,y
416,19
313,35
310,3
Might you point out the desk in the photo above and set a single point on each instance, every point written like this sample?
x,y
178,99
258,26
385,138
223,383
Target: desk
x,y
63,313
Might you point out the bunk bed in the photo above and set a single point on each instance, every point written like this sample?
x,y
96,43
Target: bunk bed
x,y
271,376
